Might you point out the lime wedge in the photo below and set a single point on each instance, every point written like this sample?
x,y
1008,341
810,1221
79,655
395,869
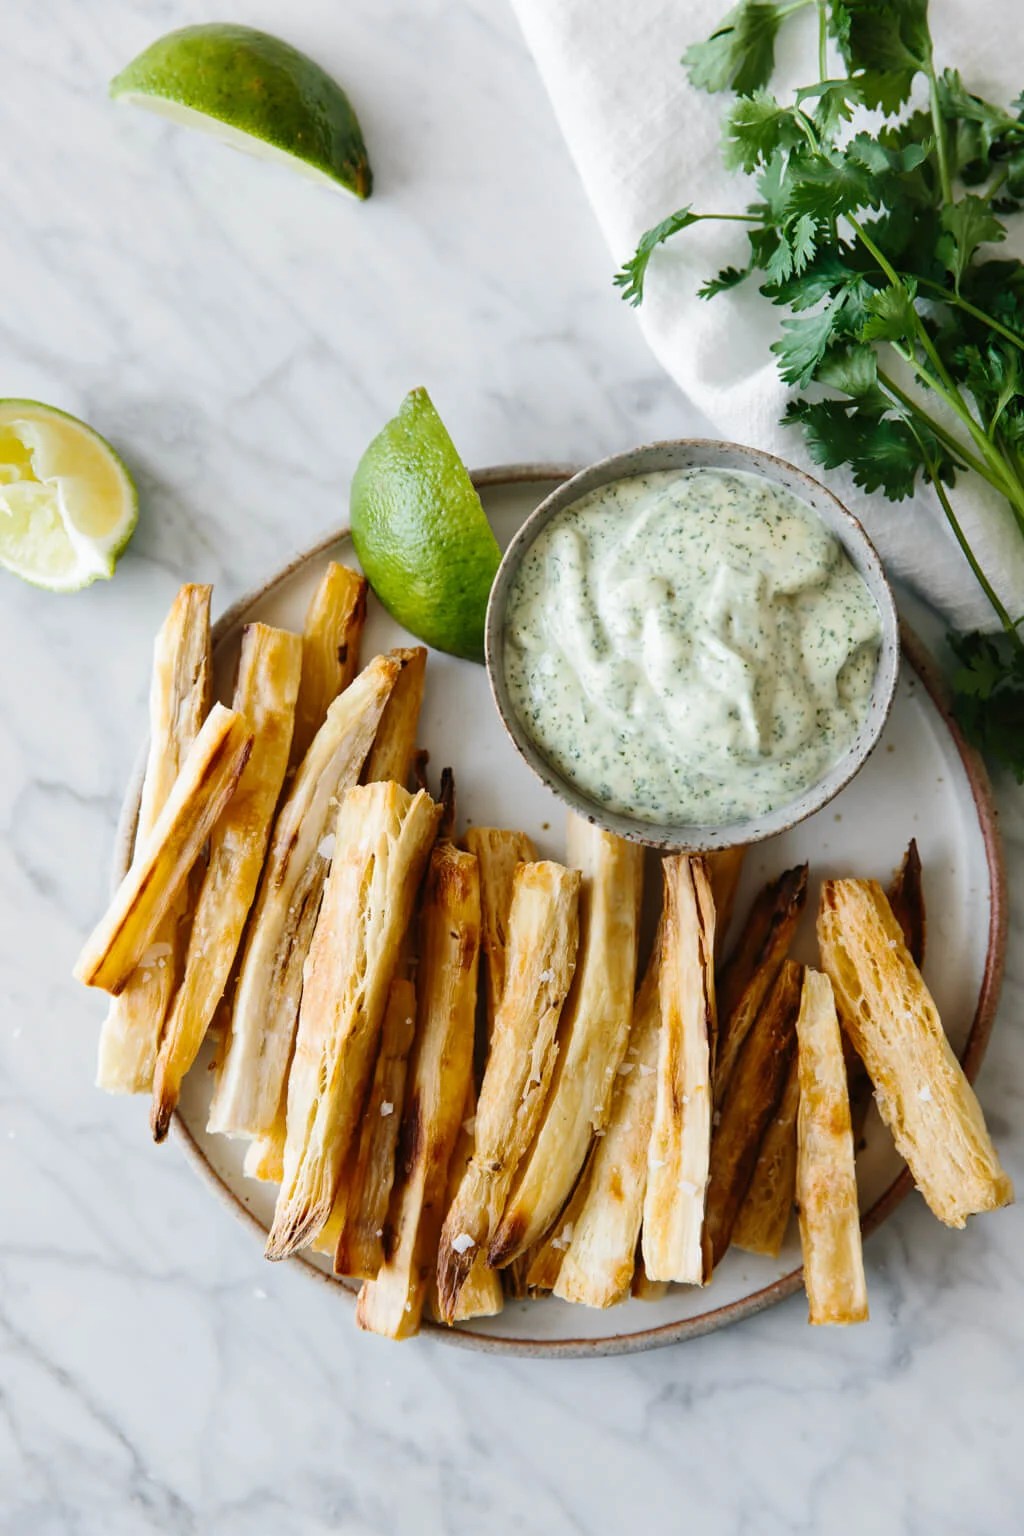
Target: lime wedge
x,y
256,93
420,532
67,504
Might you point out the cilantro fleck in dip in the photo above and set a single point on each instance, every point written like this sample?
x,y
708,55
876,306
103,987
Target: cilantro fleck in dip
x,y
690,646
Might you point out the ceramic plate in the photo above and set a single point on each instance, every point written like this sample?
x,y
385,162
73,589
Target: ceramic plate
x,y
922,781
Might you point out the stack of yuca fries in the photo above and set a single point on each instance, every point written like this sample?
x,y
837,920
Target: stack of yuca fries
x,y
438,1050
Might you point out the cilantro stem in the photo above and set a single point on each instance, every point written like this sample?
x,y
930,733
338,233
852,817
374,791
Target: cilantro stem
x,y
973,310
958,533
945,437
945,184
822,40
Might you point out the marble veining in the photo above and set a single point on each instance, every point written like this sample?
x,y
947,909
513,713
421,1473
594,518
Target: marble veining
x,y
240,335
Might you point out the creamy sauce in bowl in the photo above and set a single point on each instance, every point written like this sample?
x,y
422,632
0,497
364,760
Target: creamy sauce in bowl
x,y
690,646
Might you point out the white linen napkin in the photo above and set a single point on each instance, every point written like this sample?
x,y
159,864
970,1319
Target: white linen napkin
x,y
646,143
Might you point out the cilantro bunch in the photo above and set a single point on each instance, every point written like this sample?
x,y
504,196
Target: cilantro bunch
x,y
876,245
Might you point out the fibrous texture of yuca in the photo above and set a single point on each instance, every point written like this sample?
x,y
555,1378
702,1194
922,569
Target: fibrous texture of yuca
x,y
754,964
826,1182
330,649
498,853
590,1255
265,693
205,784
751,1100
920,1088
394,747
592,1035
767,1208
249,1092
383,840
543,936
179,699
482,1294
674,1246
440,1081
366,1191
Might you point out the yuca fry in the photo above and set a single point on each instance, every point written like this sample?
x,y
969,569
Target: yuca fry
x,y
330,650
725,865
360,1248
674,1243
596,1262
251,1083
498,853
265,694
482,1295
208,778
440,1081
906,898
264,1156
179,699
543,933
383,839
920,1088
592,1035
754,964
766,1211
826,1182
645,1289
754,1093
394,746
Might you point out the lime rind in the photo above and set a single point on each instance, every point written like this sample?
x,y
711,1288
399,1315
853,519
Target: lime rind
x,y
256,93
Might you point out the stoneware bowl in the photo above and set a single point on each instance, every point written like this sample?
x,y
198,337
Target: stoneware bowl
x,y
700,453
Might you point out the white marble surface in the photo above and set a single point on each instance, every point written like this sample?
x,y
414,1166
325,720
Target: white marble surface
x,y
240,335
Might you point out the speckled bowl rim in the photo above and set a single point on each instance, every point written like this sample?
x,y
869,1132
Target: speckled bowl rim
x,y
921,662
682,454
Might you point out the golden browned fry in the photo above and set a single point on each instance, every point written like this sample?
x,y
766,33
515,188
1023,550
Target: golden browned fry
x,y
440,1080
394,746
592,1035
330,650
482,1295
250,1087
265,693
920,1087
766,1211
178,703
383,840
590,1255
674,1246
725,865
752,1099
264,1156
208,778
543,933
754,964
360,1248
826,1183
498,853
906,898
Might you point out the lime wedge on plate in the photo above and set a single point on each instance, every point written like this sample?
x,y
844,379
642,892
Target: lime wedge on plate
x,y
67,504
256,93
420,532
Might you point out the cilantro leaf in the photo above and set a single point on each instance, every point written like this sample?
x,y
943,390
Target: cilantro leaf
x,y
755,128
957,104
891,313
740,54
829,184
883,452
634,272
729,277
853,369
967,224
834,103
802,345
988,694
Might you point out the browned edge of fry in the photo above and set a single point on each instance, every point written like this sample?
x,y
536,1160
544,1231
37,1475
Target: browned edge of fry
x,y
393,753
330,649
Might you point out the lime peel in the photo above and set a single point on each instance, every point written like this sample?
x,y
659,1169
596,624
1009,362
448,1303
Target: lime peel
x,y
256,93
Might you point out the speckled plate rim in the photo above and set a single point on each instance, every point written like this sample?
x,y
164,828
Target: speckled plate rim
x,y
916,654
